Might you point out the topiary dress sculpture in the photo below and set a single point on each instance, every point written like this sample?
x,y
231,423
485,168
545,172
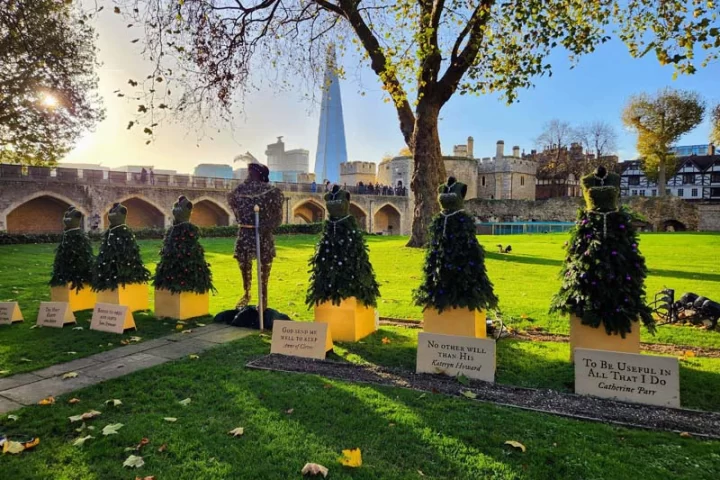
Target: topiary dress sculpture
x,y
182,278
456,290
604,272
119,275
73,265
343,288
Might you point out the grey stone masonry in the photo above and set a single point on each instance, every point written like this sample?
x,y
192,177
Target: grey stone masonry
x,y
24,389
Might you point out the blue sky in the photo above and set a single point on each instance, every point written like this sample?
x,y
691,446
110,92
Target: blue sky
x,y
596,89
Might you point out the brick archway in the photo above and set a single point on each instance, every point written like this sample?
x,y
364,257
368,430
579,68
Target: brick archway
x,y
209,213
360,215
142,213
41,212
308,211
387,220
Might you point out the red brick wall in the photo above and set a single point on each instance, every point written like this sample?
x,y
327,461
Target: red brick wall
x,y
40,215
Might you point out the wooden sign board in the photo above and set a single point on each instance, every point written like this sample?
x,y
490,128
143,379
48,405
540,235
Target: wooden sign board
x,y
628,377
108,317
454,355
300,339
55,314
10,313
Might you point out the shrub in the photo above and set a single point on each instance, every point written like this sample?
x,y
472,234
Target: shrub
x,y
156,233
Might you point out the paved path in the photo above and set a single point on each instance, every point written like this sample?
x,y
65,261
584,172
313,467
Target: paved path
x,y
23,389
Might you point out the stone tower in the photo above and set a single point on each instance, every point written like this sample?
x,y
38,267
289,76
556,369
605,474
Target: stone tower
x,y
331,148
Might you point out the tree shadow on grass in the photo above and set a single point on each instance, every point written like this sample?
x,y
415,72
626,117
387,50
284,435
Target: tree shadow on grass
x,y
527,259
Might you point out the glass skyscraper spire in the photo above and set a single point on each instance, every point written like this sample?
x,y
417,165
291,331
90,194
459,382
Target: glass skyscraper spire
x,y
331,148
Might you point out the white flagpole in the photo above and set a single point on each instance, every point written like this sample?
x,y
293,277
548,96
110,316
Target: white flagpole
x,y
259,267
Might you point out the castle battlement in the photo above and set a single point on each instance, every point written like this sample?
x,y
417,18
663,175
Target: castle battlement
x,y
357,167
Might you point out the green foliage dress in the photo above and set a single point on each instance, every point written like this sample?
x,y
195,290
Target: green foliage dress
x,y
182,266
118,262
340,267
604,272
454,273
74,256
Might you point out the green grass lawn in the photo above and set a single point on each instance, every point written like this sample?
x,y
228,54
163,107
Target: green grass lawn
x,y
293,419
524,281
529,364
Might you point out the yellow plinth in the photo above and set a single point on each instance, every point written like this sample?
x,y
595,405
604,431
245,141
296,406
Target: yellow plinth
x,y
181,305
348,322
584,336
134,295
456,321
78,300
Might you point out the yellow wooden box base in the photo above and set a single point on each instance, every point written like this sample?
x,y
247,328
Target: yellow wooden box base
x,y
585,336
456,321
82,300
348,322
134,295
181,305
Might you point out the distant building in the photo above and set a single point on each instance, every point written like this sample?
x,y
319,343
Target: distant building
x,y
214,170
306,178
286,165
687,150
499,177
697,178
352,173
331,147
506,177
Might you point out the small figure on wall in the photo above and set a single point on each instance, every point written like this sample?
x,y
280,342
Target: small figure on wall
x,y
256,190
454,273
604,272
72,269
183,277
119,265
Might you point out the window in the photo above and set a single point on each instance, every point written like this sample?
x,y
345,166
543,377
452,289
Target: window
x,y
642,193
688,178
654,193
715,177
522,180
634,180
694,192
681,192
482,181
634,192
715,192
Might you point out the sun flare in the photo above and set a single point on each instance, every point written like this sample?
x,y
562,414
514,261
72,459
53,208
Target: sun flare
x,y
49,100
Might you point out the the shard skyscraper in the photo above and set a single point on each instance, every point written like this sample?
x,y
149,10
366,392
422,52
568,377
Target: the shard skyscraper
x,y
331,148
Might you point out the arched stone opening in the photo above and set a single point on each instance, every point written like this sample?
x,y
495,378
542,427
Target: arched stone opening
x,y
141,214
673,226
359,215
308,212
387,220
41,214
207,213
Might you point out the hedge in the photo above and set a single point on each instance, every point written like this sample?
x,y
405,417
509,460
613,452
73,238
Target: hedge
x,y
156,233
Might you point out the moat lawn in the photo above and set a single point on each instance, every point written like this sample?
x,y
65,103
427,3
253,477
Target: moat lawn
x,y
524,280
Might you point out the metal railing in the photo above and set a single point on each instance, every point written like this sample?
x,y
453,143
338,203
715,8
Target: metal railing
x,y
17,172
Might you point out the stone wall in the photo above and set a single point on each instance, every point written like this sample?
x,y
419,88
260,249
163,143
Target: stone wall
x,y
659,212
709,217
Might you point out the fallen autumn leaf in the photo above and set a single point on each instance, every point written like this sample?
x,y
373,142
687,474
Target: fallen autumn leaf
x,y
351,458
133,461
237,432
515,444
314,469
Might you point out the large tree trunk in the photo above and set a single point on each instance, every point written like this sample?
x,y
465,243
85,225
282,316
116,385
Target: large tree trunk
x,y
428,171
661,181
